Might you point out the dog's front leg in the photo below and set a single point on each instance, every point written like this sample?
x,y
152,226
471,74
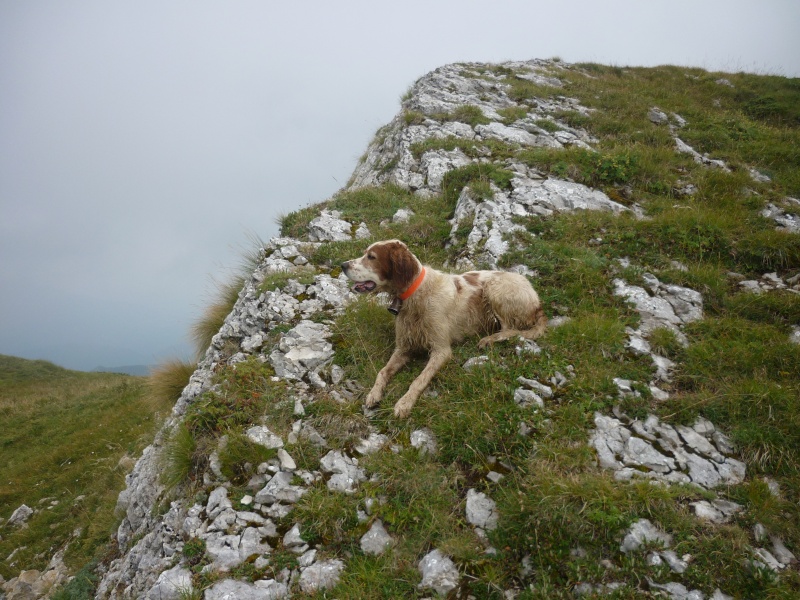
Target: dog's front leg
x,y
437,360
398,359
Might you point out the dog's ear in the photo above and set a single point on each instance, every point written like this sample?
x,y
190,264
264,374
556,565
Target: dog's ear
x,y
402,266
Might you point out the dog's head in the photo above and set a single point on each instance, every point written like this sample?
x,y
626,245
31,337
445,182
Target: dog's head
x,y
385,267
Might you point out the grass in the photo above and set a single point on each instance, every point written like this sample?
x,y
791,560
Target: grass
x,y
68,439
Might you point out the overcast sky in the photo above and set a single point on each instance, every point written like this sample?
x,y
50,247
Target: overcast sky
x,y
141,141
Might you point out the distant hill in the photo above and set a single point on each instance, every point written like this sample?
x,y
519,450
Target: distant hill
x,y
138,370
16,370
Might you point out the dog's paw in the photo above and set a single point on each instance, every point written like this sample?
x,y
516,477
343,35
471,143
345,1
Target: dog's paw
x,y
487,341
402,409
373,398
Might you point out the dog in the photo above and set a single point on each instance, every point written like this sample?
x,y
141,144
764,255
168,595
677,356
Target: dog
x,y
436,309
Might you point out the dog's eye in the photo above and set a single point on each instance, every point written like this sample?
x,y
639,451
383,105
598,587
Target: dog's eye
x,y
371,256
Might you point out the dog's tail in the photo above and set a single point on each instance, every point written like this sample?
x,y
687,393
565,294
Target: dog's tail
x,y
539,320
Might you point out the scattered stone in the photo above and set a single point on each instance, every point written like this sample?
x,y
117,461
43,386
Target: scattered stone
x,y
657,116
641,532
321,575
718,511
764,559
329,227
374,443
262,436
303,349
481,510
527,398
20,516
280,489
438,573
345,472
475,361
376,540
287,462
676,591
233,589
403,215
544,390
494,476
424,440
601,589
781,552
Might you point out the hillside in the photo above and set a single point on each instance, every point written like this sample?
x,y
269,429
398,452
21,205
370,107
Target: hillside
x,y
66,438
648,445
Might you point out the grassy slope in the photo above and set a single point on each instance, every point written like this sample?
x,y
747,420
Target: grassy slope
x,y
63,436
739,370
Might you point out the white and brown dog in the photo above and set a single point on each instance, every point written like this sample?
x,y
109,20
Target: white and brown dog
x,y
439,309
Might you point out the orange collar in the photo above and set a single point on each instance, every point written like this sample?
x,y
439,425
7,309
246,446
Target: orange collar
x,y
413,288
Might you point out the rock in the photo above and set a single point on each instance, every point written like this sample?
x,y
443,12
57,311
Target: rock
x,y
376,540
544,390
371,444
438,573
292,538
173,584
232,589
764,559
280,489
481,510
345,472
306,559
19,517
781,552
643,531
223,550
638,452
423,440
264,437
403,215
699,443
719,595
302,349
475,361
676,591
322,575
217,502
363,232
676,564
526,398
287,462
718,511
657,116
329,227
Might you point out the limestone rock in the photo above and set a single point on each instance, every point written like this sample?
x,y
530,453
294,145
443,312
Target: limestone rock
x,y
345,472
172,584
19,517
233,589
262,436
438,573
376,540
321,575
481,510
643,531
424,440
329,227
